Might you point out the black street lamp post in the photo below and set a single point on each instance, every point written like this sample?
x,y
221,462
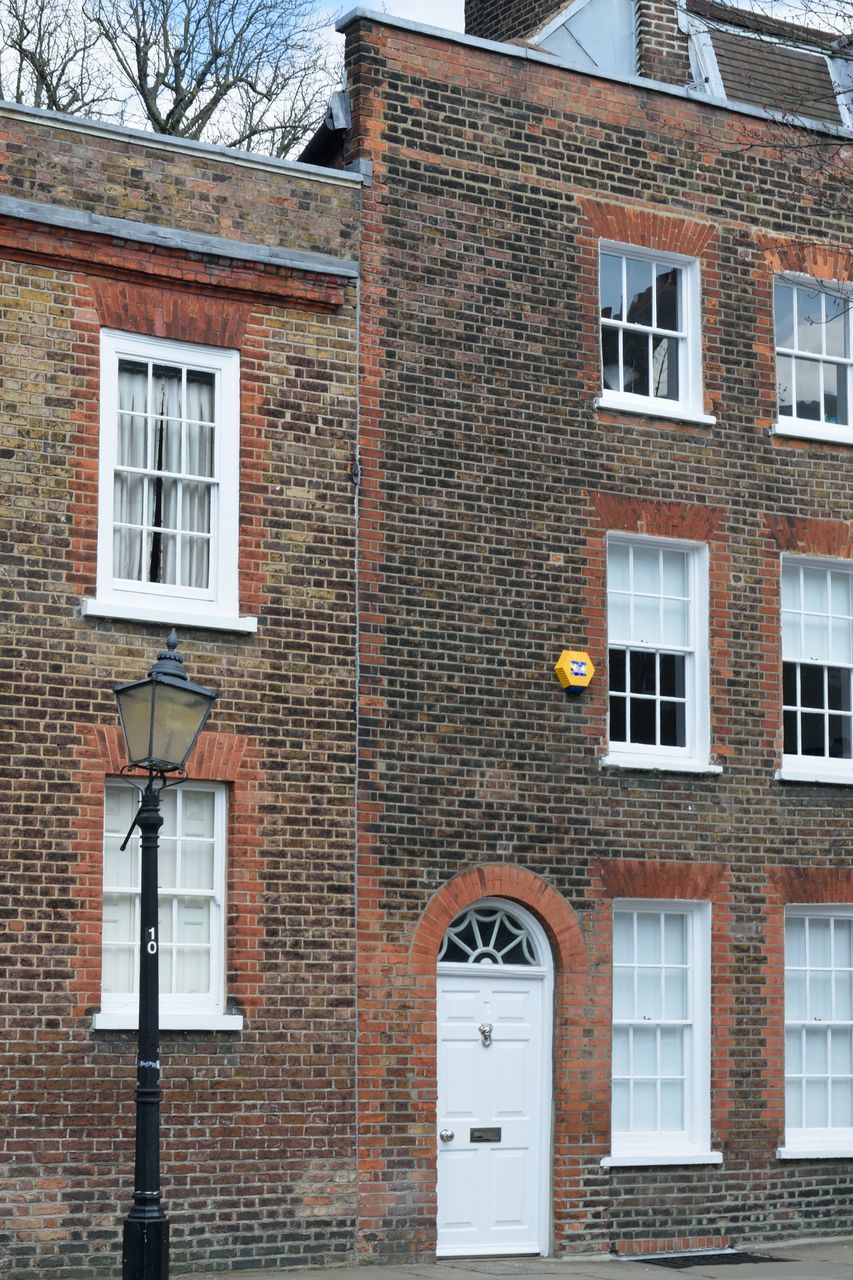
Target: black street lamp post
x,y
161,718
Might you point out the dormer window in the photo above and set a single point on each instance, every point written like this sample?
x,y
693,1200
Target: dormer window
x,y
748,58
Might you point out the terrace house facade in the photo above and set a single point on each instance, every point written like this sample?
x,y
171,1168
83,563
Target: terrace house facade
x,y
545,348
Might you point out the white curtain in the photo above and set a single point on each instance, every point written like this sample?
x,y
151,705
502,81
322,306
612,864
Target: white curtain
x,y
162,504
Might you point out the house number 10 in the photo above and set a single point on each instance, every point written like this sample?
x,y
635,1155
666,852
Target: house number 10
x,y
151,945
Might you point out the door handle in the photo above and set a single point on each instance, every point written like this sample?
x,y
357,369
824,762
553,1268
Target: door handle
x,y
447,1135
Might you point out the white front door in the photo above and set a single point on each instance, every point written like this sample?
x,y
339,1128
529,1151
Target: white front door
x,y
493,1112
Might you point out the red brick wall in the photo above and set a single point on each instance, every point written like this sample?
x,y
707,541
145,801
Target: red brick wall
x,y
257,1124
490,480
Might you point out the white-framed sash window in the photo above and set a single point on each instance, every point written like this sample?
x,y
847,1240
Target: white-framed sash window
x,y
817,670
818,1031
191,908
169,483
651,342
661,1033
814,358
657,637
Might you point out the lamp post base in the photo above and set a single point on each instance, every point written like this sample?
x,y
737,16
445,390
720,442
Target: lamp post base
x,y
145,1249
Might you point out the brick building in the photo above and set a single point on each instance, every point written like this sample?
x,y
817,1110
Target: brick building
x,y
582,428
602,404
149,287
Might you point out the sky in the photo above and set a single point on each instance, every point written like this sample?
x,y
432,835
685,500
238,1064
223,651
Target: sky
x,y
448,14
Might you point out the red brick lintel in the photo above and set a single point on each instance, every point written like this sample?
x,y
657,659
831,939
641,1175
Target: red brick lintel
x,y
108,255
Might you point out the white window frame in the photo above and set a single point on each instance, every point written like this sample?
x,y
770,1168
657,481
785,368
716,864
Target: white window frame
x,y
806,768
182,1012
825,1142
690,404
694,756
692,1145
217,606
808,428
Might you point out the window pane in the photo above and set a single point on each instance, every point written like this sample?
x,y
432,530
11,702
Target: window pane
x,y
812,735
643,671
675,622
673,724
819,940
815,638
618,566
611,358
672,675
840,594
675,993
817,1104
817,1056
623,993
840,746
192,974
675,938
671,1106
638,289
648,938
790,586
791,744
621,1051
197,865
645,1052
648,993
843,943
842,1104
118,970
843,996
795,941
841,1056
665,368
618,720
646,624
671,1051
610,286
783,300
807,374
809,320
119,918
785,385
119,868
674,573
635,366
616,660
789,684
645,1107
621,1107
795,996
618,619
812,688
643,721
835,327
820,995
794,1103
623,938
194,920
668,289
647,566
840,640
815,591
794,1052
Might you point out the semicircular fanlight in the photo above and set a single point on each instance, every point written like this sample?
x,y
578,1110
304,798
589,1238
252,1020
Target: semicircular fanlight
x,y
488,935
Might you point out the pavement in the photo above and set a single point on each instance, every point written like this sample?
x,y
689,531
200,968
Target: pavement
x,y
803,1260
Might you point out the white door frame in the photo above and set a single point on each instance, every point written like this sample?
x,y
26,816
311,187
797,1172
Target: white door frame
x,y
545,973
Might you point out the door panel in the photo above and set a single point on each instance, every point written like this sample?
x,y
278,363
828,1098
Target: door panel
x,y
490,1192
